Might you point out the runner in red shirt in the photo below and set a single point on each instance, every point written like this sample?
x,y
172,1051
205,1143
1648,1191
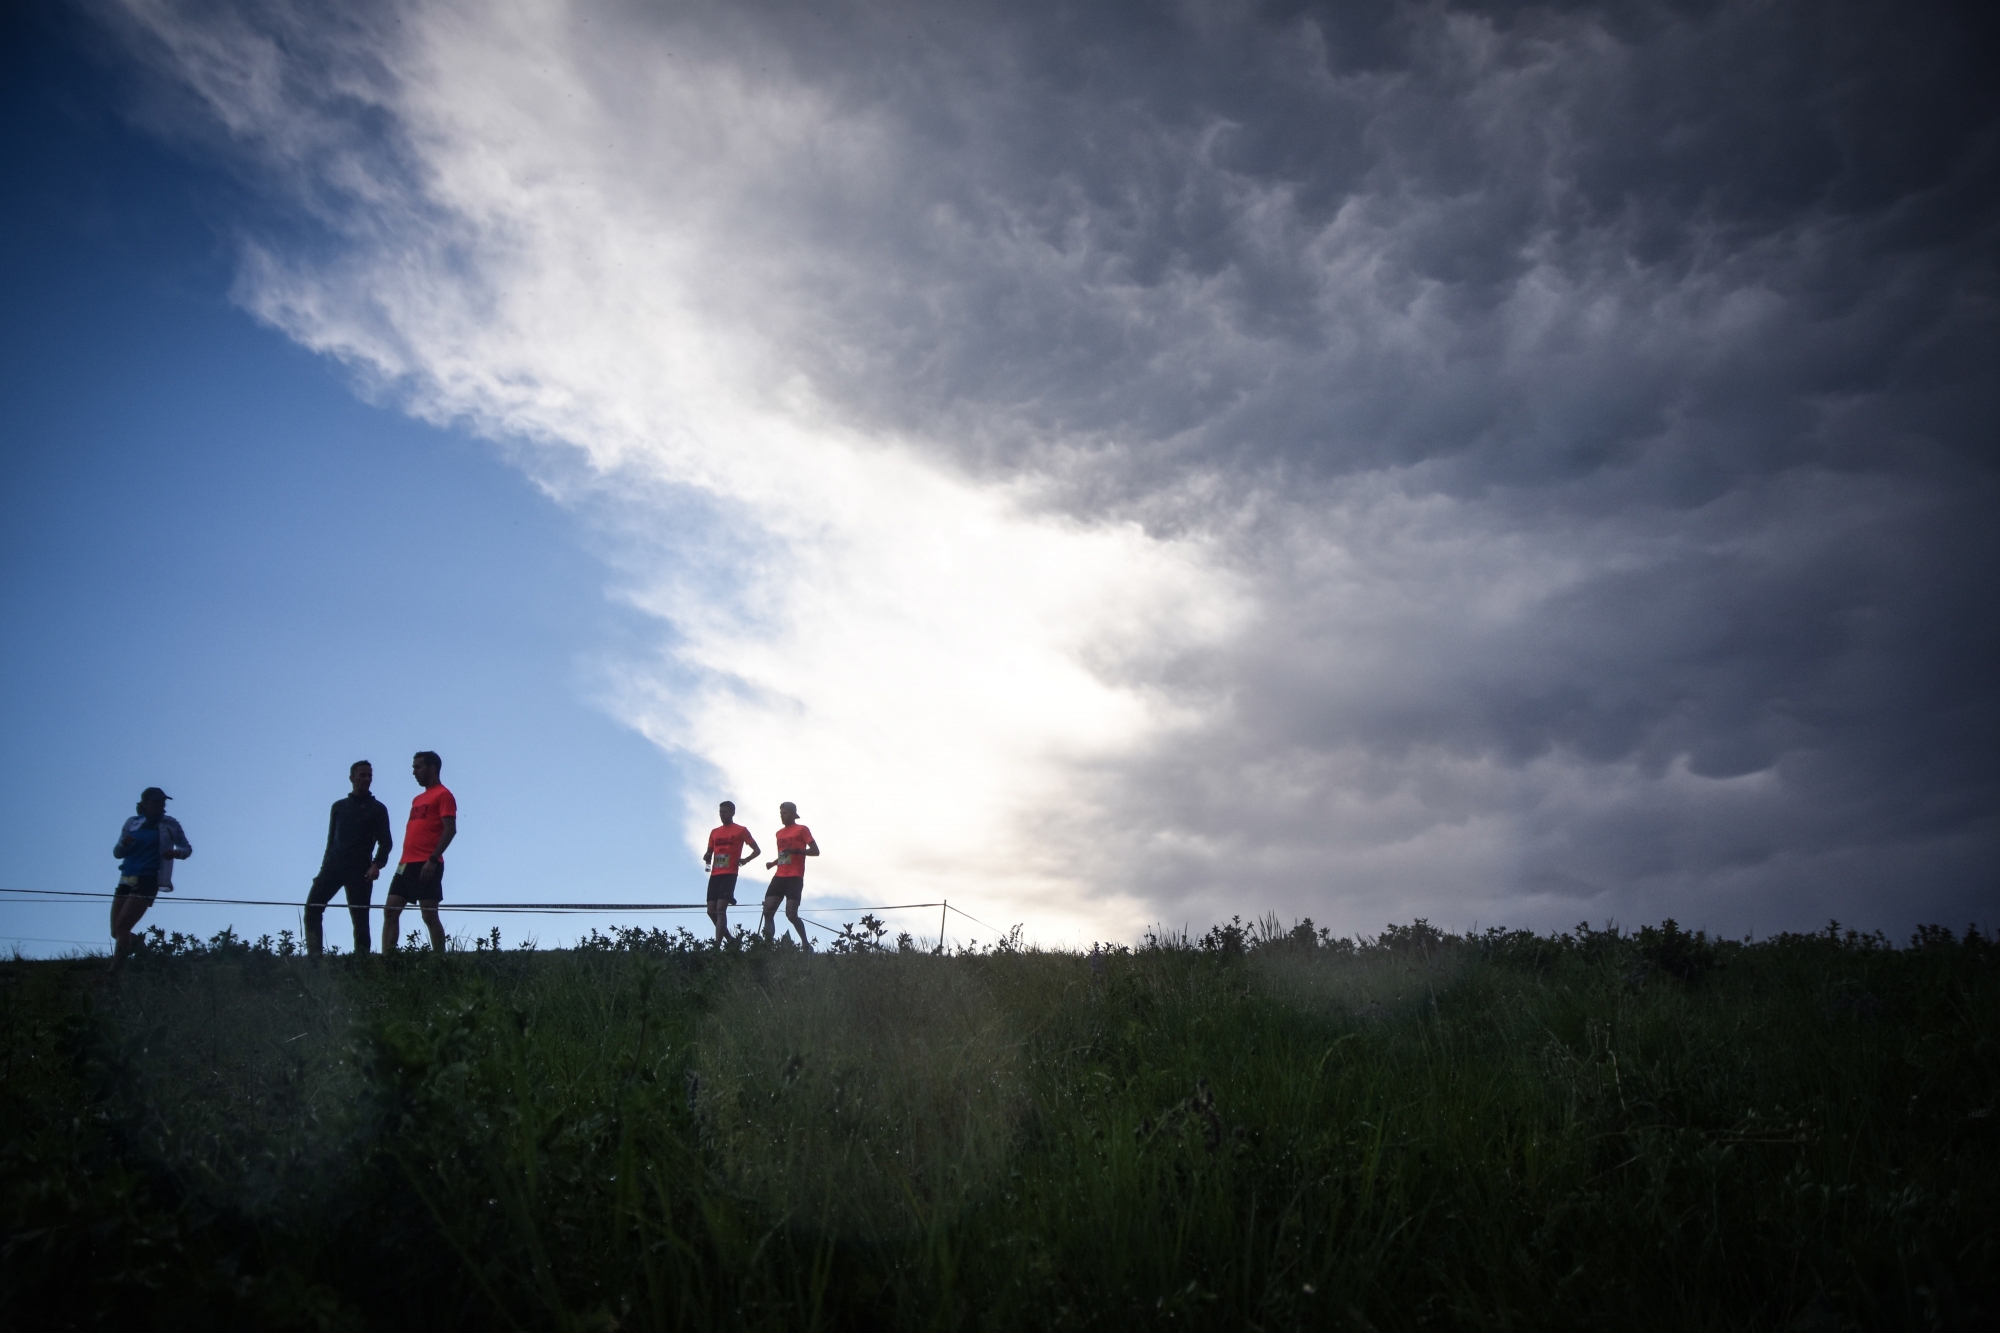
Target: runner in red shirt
x,y
420,876
723,857
795,843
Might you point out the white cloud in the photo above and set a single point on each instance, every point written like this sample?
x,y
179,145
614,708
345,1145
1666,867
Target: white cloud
x,y
926,664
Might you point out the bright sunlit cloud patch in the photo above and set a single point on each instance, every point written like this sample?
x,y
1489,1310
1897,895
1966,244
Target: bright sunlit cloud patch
x,y
924,664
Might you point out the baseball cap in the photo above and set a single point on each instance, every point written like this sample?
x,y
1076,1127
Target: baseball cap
x,y
151,792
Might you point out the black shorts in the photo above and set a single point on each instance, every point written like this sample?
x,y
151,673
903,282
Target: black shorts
x,y
721,889
789,887
410,887
140,886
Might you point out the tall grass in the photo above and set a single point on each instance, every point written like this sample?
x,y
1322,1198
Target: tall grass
x,y
1259,1128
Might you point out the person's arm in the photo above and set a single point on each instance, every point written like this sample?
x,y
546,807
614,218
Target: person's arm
x,y
755,850
179,847
450,823
810,849
385,842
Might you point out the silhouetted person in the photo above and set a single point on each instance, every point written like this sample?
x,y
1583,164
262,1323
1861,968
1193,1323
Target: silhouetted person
x,y
795,843
147,847
724,858
420,877
357,847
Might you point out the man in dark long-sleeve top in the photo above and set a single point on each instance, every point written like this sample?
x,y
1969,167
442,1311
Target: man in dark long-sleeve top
x,y
358,844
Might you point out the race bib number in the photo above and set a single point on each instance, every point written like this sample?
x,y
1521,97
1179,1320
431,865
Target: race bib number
x,y
721,863
784,858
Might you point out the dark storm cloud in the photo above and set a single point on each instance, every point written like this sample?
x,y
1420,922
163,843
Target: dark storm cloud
x,y
1696,303
1595,402
1129,222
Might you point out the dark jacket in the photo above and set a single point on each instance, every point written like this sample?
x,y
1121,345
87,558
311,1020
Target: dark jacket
x,y
357,833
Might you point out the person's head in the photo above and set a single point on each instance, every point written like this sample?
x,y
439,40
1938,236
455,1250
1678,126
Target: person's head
x,y
728,812
425,768
788,812
362,774
153,802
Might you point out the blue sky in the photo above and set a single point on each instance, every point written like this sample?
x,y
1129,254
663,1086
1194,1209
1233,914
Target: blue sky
x,y
229,576
1111,464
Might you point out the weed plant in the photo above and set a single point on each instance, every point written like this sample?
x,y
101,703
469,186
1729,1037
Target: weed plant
x,y
1257,1128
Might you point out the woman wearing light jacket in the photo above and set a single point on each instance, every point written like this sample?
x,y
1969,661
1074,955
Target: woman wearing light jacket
x,y
147,848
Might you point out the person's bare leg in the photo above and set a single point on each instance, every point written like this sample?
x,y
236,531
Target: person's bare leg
x,y
770,925
392,913
135,906
126,909
718,912
118,928
435,924
792,915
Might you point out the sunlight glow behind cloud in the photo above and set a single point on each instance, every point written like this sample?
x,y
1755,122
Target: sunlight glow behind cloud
x,y
922,662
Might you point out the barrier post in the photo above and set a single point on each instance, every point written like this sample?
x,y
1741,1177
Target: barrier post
x,y
943,907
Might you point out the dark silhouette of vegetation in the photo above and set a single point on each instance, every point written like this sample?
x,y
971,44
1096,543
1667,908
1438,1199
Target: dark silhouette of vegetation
x,y
1260,1126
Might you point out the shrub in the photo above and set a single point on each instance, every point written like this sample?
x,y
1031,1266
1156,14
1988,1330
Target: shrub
x,y
1676,952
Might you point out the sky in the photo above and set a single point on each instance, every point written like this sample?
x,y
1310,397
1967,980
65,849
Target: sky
x,y
1112,465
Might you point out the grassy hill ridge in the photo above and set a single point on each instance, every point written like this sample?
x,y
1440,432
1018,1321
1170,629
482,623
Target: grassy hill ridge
x,y
1257,1128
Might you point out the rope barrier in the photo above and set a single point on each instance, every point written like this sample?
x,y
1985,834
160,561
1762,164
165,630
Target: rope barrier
x,y
27,896
44,939
443,906
970,917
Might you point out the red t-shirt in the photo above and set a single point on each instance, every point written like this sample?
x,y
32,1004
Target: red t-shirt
x,y
426,827
792,844
725,849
